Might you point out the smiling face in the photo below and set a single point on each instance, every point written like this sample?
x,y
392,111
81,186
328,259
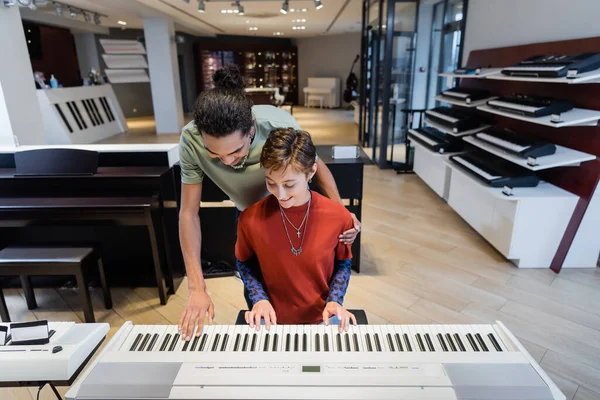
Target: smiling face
x,y
289,185
230,149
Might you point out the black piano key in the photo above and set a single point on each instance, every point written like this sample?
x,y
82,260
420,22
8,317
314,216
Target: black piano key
x,y
253,346
304,342
398,342
472,342
494,342
338,342
288,338
296,341
390,342
377,343
245,345
481,342
429,342
152,342
459,342
225,340
347,341
144,342
368,340
317,342
275,341
135,342
420,342
442,342
215,345
450,342
165,342
236,345
203,342
326,342
50,334
266,345
195,343
185,346
407,342
355,340
174,342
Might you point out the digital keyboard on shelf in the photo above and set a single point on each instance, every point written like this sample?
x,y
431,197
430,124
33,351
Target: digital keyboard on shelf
x,y
436,140
466,94
466,71
70,345
315,362
495,171
530,106
555,65
516,143
454,118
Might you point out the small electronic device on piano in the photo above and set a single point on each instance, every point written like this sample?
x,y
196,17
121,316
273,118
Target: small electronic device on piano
x,y
467,71
555,65
530,106
446,362
436,140
454,118
47,351
495,171
516,144
467,95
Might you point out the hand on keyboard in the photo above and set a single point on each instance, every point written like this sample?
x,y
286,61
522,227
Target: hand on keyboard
x,y
197,307
262,309
333,308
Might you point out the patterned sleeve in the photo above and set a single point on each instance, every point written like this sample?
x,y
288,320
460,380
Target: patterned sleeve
x,y
250,275
339,281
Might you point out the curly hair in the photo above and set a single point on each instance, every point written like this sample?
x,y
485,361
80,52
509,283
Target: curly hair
x,y
225,109
288,146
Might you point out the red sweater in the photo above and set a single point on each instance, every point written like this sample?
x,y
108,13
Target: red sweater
x,y
297,286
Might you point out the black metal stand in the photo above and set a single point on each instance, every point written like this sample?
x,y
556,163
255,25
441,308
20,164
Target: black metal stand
x,y
409,119
42,384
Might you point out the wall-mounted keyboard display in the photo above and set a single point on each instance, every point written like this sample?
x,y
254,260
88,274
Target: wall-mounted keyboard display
x,y
495,171
516,143
436,140
466,94
530,106
455,119
555,65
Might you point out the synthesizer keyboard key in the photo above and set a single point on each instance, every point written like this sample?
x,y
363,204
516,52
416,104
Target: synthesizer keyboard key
x,y
347,342
481,343
317,342
174,342
253,346
450,342
225,340
203,342
144,342
304,342
136,342
296,340
245,344
472,342
236,345
195,343
420,342
355,341
442,342
266,343
368,340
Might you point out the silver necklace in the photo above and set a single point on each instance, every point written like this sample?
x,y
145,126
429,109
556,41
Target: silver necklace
x,y
242,164
302,223
295,251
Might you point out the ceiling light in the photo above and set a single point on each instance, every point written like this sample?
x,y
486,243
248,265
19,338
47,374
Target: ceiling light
x,y
72,13
201,6
121,22
318,4
277,33
292,10
284,7
223,11
253,28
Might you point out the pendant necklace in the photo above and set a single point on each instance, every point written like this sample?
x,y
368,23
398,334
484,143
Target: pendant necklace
x,y
296,251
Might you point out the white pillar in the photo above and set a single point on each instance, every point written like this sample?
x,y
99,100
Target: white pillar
x,y
87,52
164,74
20,113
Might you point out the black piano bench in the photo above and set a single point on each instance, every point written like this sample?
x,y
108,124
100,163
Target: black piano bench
x,y
361,317
30,261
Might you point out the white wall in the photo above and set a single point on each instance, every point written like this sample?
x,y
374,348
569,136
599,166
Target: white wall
x,y
501,23
328,56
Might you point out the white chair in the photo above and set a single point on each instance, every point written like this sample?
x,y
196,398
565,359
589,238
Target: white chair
x,y
316,98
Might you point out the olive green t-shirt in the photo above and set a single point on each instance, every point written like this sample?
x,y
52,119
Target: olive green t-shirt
x,y
244,186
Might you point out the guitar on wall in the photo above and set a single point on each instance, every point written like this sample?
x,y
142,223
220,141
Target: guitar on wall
x,y
351,83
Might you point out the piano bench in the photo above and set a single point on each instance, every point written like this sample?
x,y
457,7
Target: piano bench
x,y
315,98
29,261
361,317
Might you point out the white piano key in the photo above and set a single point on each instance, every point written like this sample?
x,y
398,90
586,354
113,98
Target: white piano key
x,y
161,330
439,330
463,336
480,329
209,332
236,329
352,331
382,338
412,329
279,343
147,334
433,337
307,332
131,337
469,330
489,329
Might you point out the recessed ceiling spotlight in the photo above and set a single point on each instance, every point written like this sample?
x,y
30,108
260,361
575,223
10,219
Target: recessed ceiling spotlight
x,y
284,7
121,22
318,4
253,28
277,33
201,5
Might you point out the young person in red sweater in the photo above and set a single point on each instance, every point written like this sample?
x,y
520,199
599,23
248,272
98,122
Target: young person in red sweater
x,y
288,251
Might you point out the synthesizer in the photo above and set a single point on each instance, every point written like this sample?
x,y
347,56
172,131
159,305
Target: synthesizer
x,y
515,143
466,94
436,140
454,118
555,65
495,171
69,346
315,362
530,106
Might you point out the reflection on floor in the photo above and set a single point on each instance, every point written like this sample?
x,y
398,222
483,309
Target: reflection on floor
x,y
325,127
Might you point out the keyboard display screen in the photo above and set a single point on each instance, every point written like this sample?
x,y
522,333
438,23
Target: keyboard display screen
x,y
311,368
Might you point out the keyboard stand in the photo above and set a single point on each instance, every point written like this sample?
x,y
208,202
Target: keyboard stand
x,y
42,384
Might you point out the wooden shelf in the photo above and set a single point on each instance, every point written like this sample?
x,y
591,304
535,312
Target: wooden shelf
x,y
575,117
412,132
456,102
450,132
587,77
562,158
